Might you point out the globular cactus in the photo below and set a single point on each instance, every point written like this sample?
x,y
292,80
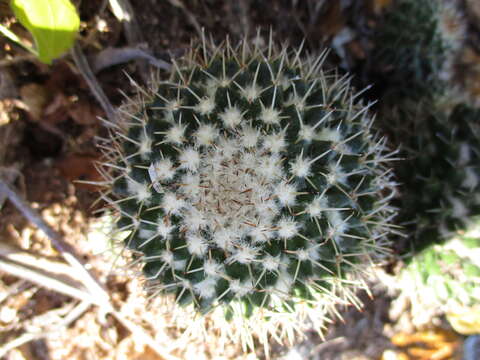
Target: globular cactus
x,y
440,176
251,177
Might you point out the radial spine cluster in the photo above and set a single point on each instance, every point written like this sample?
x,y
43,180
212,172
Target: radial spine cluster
x,y
250,176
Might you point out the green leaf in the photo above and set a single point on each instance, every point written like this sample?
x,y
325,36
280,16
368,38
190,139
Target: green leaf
x,y
53,23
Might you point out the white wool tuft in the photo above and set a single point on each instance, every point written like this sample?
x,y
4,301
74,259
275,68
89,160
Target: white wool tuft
x,y
145,145
162,170
145,234
196,245
206,288
190,185
231,117
306,133
284,283
274,142
336,175
471,179
167,257
163,229
317,206
171,204
205,106
327,134
189,159
139,190
175,134
287,228
224,238
336,221
241,288
271,263
302,254
261,233
251,92
300,167
206,134
286,193
212,268
243,254
270,116
250,136
194,219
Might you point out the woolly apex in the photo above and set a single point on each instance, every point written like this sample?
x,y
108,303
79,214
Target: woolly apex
x,y
251,179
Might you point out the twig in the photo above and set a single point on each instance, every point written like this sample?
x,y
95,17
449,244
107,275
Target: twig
x,y
52,268
47,281
13,37
17,59
26,337
114,56
67,252
89,76
10,175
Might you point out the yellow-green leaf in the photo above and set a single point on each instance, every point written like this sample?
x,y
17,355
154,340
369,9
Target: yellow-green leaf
x,y
53,23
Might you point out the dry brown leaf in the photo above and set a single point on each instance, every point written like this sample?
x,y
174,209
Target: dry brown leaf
x,y
55,112
83,112
76,167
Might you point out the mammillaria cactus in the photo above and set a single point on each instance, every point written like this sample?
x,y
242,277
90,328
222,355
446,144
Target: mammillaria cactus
x,y
251,177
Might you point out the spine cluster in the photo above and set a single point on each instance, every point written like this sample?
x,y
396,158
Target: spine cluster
x,y
251,176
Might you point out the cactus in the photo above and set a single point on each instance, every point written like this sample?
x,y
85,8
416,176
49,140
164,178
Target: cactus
x,y
251,179
440,176
418,43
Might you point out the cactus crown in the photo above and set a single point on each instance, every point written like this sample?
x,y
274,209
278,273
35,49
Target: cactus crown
x,y
251,176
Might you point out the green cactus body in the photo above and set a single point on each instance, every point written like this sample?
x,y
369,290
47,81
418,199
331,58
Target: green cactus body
x,y
417,43
251,177
440,175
